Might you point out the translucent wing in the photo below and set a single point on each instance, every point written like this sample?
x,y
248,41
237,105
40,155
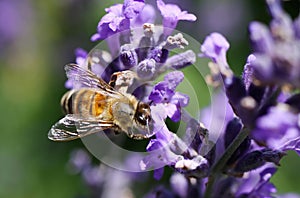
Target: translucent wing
x,y
72,127
98,57
81,77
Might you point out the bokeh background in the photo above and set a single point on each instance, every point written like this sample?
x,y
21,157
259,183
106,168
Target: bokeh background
x,y
37,38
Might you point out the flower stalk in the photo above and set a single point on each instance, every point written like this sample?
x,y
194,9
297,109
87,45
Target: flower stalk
x,y
220,164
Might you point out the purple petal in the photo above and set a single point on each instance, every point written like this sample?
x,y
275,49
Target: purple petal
x,y
179,184
164,136
297,27
187,17
147,15
161,93
168,10
263,67
281,22
158,173
277,127
215,47
261,37
173,79
79,160
256,183
131,8
103,31
293,144
95,37
81,56
69,84
116,9
153,145
180,99
173,112
171,15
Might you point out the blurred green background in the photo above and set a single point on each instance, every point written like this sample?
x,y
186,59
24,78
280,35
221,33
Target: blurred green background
x,y
38,38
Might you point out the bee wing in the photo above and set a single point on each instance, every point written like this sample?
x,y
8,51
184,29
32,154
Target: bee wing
x,y
99,57
84,78
72,127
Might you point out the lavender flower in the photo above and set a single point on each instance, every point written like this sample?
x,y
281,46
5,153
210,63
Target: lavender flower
x,y
215,47
164,93
102,180
16,18
271,121
171,15
256,183
284,126
239,140
169,149
272,66
132,8
147,15
114,21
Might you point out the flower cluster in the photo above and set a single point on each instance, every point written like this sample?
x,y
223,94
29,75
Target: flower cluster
x,y
234,149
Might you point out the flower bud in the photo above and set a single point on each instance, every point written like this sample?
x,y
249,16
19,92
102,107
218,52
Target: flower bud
x,y
235,90
159,54
273,156
128,57
182,60
146,68
249,162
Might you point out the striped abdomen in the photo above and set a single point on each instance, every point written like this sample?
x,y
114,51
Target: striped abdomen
x,y
85,102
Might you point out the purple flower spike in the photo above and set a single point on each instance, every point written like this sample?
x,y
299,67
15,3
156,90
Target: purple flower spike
x,y
131,8
171,15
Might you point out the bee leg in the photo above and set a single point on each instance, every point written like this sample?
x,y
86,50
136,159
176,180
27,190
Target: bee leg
x,y
136,136
116,130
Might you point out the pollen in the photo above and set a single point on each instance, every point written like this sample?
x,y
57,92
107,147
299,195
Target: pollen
x,y
99,104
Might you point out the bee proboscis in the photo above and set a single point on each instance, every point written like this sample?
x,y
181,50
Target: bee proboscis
x,y
94,106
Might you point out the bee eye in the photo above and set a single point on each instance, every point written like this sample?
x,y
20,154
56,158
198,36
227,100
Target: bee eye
x,y
143,115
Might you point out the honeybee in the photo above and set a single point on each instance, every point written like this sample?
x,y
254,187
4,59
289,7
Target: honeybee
x,y
95,106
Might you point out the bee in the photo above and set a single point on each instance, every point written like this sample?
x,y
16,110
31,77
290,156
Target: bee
x,y
94,106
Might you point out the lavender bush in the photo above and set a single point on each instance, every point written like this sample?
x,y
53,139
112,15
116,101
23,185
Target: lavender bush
x,y
232,153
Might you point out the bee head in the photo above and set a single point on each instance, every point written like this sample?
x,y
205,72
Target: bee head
x,y
143,114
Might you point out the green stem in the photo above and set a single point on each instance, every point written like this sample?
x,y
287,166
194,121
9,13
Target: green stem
x,y
220,164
